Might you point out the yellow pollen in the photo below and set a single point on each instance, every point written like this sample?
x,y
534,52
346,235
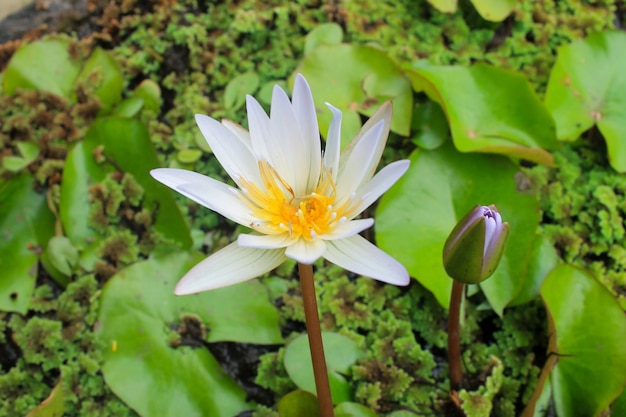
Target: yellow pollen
x,y
279,210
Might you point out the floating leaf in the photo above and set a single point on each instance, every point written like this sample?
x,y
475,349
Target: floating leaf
x,y
60,259
587,87
299,404
188,156
435,193
587,326
25,223
53,406
28,151
349,409
150,92
430,125
494,10
237,88
43,65
324,34
129,107
341,353
125,143
109,81
444,6
147,363
365,78
490,110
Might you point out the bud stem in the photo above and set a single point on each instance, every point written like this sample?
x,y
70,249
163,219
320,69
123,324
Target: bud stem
x,y
309,300
454,342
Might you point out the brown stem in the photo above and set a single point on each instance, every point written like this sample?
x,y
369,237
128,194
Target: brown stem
x,y
314,331
454,342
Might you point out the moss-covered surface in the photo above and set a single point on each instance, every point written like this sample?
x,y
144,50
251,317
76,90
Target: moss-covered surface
x,y
192,49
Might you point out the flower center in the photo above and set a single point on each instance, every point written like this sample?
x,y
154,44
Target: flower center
x,y
279,210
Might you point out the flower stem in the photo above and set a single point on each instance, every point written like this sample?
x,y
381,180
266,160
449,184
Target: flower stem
x,y
454,342
314,331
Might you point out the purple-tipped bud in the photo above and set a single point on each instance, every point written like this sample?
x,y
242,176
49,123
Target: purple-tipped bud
x,y
475,245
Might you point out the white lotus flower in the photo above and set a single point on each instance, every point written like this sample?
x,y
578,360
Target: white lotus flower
x,y
301,204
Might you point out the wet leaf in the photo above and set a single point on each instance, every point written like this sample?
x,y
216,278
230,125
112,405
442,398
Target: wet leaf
x,y
237,88
341,353
587,327
366,78
324,34
43,65
490,110
25,224
587,87
439,188
125,144
53,406
154,369
299,404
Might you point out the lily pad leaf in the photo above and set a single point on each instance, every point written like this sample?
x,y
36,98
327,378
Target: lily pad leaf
x,y
587,87
299,404
494,10
236,90
326,33
341,353
436,192
587,327
156,361
490,110
444,6
348,409
430,125
124,144
101,70
53,406
26,223
365,79
57,75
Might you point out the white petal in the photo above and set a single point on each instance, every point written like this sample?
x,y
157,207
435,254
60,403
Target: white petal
x,y
378,185
289,152
306,252
358,255
264,241
382,114
211,193
234,154
238,130
306,116
354,172
229,266
348,229
259,125
333,143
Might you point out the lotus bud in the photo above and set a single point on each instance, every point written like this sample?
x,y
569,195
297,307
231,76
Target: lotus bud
x,y
475,246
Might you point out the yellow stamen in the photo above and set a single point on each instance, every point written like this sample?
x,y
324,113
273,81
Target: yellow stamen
x,y
279,210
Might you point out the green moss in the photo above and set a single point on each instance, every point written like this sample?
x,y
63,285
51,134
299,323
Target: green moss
x,y
271,374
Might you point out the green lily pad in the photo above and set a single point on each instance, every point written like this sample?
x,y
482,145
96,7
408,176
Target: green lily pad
x,y
109,80
588,326
490,110
341,353
129,107
494,10
444,6
435,193
60,259
43,65
237,88
150,92
299,404
349,409
587,87
25,224
147,363
53,406
28,151
430,125
365,79
326,33
125,144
